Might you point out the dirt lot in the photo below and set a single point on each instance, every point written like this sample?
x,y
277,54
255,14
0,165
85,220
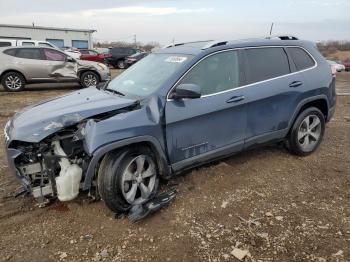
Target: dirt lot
x,y
278,206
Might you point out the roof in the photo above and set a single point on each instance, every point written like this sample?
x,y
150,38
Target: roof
x,y
194,48
48,28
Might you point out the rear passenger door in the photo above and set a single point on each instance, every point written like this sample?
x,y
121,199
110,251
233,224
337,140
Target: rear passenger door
x,y
272,91
31,62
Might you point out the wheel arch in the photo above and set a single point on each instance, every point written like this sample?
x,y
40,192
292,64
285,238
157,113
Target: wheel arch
x,y
148,141
13,70
89,70
320,102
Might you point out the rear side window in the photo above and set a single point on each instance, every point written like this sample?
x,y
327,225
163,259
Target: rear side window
x,y
267,63
302,59
29,53
2,44
216,73
54,55
11,52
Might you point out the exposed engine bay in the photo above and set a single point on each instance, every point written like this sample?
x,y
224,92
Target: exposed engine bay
x,y
54,166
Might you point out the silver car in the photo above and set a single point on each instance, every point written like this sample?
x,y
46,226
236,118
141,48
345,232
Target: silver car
x,y
28,65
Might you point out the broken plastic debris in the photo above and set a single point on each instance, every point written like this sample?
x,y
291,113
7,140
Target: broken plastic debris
x,y
139,212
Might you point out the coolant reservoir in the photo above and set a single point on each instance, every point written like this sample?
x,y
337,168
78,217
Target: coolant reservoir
x,y
68,182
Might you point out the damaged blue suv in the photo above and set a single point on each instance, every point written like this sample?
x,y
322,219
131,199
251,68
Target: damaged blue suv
x,y
178,108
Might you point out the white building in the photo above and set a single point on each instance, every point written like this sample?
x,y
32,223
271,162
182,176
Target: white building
x,y
79,38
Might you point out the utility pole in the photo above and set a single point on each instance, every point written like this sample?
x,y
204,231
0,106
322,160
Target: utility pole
x,y
135,41
271,29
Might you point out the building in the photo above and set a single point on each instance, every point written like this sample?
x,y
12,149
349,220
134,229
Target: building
x,y
79,38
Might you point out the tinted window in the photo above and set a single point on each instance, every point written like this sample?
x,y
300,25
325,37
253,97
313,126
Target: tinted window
x,y
84,52
302,60
29,53
215,73
267,63
54,55
2,44
11,52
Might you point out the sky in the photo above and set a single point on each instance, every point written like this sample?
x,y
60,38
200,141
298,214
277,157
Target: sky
x,y
191,20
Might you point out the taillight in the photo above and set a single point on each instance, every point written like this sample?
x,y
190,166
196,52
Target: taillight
x,y
333,70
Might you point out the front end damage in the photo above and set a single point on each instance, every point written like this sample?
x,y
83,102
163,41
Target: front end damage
x,y
53,167
48,152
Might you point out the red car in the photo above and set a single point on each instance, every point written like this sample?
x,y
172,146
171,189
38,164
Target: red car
x,y
346,64
92,55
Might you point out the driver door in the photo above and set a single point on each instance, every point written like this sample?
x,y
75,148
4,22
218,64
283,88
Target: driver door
x,y
198,130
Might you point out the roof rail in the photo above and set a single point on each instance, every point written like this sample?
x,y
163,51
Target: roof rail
x,y
282,37
214,44
185,43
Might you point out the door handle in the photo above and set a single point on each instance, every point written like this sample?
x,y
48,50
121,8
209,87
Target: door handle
x,y
235,99
295,84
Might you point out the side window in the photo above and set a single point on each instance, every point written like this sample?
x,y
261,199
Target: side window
x,y
2,44
302,60
54,55
29,53
91,52
11,52
216,73
267,63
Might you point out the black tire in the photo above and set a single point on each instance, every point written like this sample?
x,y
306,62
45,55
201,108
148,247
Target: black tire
x,y
299,145
88,79
111,184
8,83
121,64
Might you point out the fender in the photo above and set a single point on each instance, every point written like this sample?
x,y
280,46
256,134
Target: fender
x,y
304,102
101,151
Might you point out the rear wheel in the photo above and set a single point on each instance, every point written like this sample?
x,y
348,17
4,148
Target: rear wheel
x,y
88,79
128,178
307,132
13,82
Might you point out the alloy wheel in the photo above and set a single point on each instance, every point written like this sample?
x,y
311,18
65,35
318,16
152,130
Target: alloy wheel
x,y
139,180
309,132
90,80
13,82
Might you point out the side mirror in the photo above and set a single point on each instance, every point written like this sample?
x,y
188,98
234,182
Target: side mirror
x,y
190,91
70,59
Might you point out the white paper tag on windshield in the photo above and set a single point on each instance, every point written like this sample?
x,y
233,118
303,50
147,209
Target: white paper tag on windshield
x,y
176,59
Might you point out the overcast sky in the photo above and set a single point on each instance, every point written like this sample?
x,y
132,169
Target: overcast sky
x,y
161,21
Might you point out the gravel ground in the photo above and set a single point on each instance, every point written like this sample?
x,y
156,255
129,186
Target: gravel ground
x,y
265,204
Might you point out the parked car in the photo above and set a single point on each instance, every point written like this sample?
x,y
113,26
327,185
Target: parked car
x,y
118,55
92,55
12,42
337,67
72,52
176,109
24,65
130,60
346,64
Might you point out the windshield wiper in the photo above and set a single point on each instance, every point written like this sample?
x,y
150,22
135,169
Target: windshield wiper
x,y
115,91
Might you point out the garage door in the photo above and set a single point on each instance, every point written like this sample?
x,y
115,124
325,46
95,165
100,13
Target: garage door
x,y
80,44
56,42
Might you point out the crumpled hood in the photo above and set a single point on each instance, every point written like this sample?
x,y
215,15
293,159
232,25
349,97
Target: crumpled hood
x,y
39,121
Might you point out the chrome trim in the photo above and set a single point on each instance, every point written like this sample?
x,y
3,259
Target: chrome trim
x,y
240,87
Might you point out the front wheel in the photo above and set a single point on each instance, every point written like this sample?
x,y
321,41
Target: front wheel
x,y
307,132
121,64
88,79
127,178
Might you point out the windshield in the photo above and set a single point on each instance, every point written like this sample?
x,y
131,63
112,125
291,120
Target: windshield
x,y
148,75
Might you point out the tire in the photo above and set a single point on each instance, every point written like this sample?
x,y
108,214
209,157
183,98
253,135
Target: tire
x,y
13,82
88,79
121,64
307,132
121,183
